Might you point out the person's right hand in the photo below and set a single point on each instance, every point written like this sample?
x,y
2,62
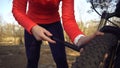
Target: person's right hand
x,y
41,33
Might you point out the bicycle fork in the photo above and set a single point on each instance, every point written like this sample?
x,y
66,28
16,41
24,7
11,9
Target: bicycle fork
x,y
103,20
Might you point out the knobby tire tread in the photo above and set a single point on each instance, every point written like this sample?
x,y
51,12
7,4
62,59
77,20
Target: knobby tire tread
x,y
93,53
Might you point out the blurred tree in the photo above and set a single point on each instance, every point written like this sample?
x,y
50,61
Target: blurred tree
x,y
1,20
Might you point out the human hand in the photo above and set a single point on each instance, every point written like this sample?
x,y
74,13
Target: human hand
x,y
85,39
41,33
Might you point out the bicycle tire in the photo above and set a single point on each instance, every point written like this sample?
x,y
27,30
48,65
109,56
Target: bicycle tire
x,y
93,53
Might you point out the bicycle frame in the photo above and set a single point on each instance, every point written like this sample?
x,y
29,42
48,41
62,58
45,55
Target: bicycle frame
x,y
104,18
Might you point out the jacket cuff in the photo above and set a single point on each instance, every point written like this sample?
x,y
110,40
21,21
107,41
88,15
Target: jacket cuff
x,y
77,38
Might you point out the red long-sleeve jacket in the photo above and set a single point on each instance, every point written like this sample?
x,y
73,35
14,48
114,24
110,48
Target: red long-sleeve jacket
x,y
45,12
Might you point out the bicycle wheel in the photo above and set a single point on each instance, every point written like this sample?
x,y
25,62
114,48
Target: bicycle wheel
x,y
94,53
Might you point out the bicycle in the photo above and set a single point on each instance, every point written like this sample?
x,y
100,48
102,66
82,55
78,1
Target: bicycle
x,y
102,51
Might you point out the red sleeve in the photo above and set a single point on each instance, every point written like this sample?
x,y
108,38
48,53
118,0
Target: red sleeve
x,y
19,12
68,18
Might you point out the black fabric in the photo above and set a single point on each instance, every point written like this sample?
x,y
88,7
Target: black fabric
x,y
58,50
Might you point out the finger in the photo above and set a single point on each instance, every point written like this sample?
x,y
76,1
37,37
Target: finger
x,y
106,55
99,33
81,50
46,38
47,33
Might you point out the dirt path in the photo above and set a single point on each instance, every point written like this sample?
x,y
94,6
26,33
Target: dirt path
x,y
14,57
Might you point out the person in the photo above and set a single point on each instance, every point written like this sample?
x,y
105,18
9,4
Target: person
x,y
41,20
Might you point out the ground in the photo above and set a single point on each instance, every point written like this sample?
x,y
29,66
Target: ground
x,y
14,57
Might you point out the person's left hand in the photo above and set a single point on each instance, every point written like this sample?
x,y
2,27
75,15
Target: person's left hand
x,y
85,39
